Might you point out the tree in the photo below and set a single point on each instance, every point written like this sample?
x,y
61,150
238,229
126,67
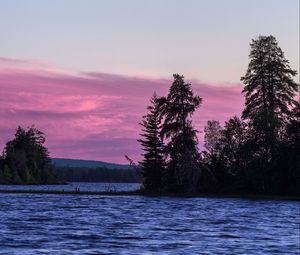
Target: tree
x,y
287,175
231,144
294,142
212,135
26,159
153,159
181,141
269,91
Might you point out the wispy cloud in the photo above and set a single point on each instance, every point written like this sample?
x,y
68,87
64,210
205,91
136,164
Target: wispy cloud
x,y
94,115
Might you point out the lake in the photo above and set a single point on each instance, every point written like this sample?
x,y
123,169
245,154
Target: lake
x,y
82,186
133,225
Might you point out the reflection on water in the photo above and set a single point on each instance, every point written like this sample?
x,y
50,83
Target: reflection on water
x,y
70,224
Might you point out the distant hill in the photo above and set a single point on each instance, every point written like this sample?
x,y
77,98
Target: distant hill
x,y
64,162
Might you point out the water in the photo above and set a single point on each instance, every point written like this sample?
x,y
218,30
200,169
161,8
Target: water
x,y
133,225
83,186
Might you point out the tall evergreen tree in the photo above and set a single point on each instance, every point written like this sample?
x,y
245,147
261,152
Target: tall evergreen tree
x,y
269,90
153,159
181,148
270,96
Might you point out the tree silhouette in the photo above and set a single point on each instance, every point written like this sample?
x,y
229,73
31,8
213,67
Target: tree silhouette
x,y
152,165
270,95
26,159
181,141
232,140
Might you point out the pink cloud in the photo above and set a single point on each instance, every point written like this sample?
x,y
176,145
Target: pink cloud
x,y
94,115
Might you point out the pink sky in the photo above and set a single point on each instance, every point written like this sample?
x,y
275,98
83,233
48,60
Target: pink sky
x,y
94,115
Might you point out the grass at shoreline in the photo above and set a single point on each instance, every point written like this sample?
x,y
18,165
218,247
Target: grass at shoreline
x,y
153,194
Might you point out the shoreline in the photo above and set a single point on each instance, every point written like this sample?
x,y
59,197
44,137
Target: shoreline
x,y
154,194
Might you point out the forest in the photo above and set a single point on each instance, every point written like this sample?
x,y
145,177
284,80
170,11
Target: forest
x,y
256,153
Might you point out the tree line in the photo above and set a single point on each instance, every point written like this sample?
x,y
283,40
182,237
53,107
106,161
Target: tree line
x,y
99,174
26,160
258,152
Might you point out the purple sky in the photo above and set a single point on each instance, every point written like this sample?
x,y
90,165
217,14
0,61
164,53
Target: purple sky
x,y
84,72
93,115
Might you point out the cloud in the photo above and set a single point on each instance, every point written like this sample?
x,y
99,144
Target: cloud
x,y
94,115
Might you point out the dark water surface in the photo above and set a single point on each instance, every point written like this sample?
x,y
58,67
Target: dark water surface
x,y
82,186
72,224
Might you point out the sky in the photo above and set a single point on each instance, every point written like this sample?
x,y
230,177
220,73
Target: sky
x,y
83,71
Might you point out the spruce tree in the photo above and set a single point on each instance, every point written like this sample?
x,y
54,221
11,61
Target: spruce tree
x,y
270,95
181,149
153,161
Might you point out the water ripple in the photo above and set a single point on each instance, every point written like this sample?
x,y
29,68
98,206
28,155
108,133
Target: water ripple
x,y
58,224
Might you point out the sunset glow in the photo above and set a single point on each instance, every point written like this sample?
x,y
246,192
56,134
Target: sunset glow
x,y
94,115
84,73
